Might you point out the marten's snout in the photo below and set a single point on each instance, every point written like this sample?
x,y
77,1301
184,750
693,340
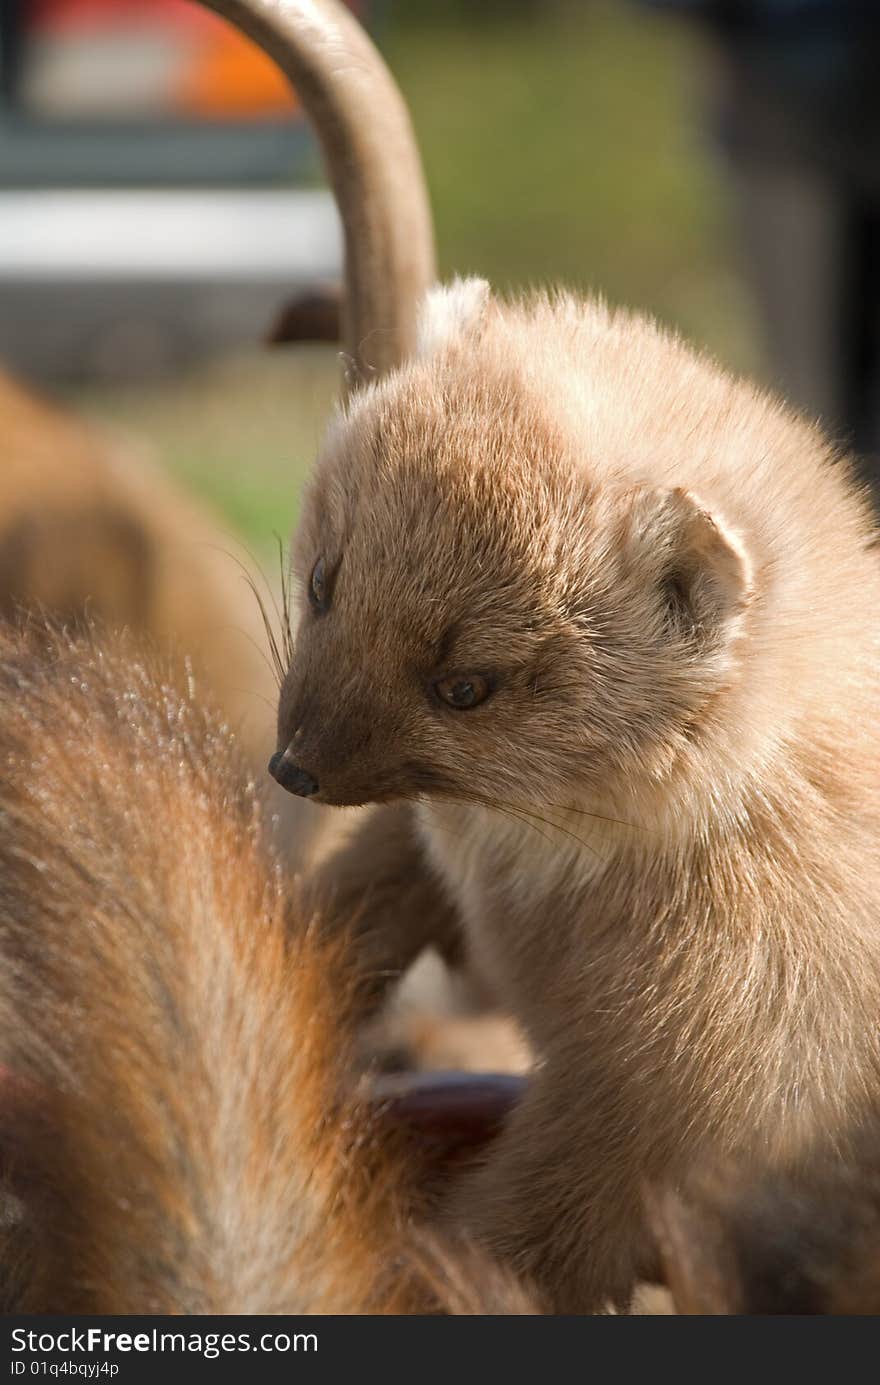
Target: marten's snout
x,y
291,777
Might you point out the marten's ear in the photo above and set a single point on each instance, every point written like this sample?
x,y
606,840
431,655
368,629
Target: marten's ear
x,y
449,312
698,564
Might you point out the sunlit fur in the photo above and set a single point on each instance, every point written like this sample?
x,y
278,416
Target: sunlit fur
x,y
179,1132
662,830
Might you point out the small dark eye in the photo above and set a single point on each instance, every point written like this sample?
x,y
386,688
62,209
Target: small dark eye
x,y
319,592
463,693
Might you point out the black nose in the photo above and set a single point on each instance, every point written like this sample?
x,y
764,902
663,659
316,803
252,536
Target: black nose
x,y
291,777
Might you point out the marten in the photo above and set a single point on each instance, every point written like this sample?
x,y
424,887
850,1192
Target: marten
x,y
181,1132
595,624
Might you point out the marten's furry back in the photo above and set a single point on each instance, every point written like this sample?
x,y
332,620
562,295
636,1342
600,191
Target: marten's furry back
x,y
177,1132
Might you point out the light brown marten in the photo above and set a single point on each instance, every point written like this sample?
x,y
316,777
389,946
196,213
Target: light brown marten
x,y
180,1132
600,624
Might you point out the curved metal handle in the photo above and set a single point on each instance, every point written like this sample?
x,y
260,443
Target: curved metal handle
x,y
372,160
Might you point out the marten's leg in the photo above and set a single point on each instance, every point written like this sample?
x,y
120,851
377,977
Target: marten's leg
x,y
559,1197
379,883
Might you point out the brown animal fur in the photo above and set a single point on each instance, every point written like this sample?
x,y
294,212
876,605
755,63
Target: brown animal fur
x,y
178,1133
661,829
800,1239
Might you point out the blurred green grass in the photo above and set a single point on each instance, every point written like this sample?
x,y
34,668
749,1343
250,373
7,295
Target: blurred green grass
x,y
566,147
239,431
560,142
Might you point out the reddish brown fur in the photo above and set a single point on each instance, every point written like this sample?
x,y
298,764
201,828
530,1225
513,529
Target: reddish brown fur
x,y
661,830
178,1134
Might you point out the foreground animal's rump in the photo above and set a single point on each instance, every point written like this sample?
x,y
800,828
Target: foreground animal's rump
x,y
604,620
179,1133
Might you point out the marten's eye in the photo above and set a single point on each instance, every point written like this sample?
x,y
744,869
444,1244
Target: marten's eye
x,y
463,692
319,587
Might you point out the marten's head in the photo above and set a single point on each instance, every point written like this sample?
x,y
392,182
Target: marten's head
x,y
489,610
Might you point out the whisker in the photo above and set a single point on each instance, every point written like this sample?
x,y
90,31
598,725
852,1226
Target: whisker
x,y
598,817
528,815
446,828
286,631
276,666
485,803
272,659
280,668
256,565
508,811
557,826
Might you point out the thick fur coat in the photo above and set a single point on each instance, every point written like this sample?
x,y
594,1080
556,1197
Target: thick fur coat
x,y
601,622
180,1132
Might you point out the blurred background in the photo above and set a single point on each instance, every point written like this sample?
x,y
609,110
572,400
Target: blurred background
x,y
160,199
